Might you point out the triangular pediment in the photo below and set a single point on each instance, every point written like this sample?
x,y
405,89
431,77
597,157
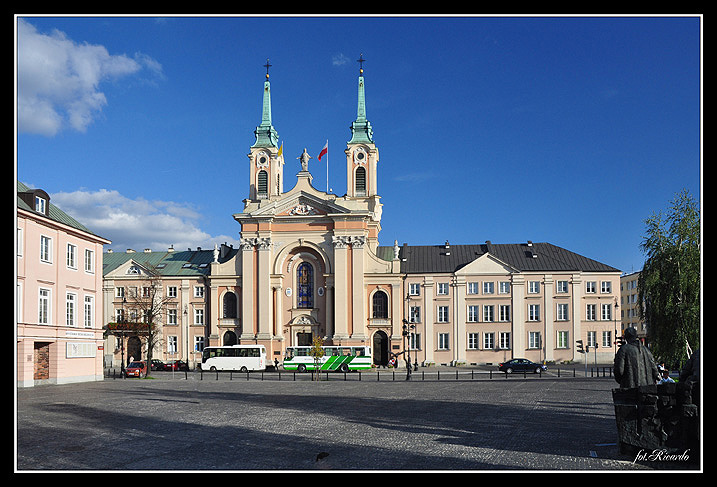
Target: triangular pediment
x,y
486,264
300,204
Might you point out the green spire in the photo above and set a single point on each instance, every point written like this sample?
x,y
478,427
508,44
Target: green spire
x,y
266,135
361,128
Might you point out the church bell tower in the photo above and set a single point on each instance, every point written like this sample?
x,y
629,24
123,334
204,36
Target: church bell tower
x,y
266,159
361,152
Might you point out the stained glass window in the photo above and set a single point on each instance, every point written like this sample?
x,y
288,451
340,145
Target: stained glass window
x,y
305,286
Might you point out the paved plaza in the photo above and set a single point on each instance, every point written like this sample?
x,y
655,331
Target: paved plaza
x,y
381,422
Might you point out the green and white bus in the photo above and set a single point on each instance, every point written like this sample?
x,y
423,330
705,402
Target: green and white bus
x,y
341,359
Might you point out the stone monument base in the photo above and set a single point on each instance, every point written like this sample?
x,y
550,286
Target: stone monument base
x,y
660,419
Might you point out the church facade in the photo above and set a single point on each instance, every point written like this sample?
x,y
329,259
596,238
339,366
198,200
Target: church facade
x,y
309,265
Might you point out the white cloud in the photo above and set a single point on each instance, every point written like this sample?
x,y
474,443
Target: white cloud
x,y
138,223
58,80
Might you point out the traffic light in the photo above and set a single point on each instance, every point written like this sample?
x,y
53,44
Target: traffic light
x,y
620,341
580,346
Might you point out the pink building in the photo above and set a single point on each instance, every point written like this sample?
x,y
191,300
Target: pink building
x,y
58,295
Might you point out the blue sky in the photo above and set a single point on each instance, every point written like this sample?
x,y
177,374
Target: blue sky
x,y
565,130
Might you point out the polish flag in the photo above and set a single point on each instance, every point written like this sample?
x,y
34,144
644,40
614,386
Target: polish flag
x,y
324,150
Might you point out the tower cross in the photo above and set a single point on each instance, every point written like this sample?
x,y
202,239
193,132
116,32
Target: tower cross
x,y
361,60
267,66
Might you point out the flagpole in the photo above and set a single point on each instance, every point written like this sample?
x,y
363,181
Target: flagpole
x,y
327,166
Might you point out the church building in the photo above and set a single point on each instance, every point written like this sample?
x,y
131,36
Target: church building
x,y
310,265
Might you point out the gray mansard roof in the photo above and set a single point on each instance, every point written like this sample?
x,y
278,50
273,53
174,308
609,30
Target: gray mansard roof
x,y
526,257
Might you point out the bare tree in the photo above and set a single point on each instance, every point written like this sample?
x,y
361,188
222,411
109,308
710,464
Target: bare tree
x,y
149,305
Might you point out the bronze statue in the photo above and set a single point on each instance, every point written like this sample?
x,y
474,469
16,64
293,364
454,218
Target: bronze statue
x,y
634,364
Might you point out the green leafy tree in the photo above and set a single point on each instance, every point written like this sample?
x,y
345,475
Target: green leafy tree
x,y
669,284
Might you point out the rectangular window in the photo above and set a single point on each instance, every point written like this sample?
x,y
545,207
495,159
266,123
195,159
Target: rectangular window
x,y
592,339
534,339
590,310
606,312
71,306
45,249
562,339
504,338
504,312
488,341
414,341
43,313
198,291
171,344
607,339
171,316
590,287
562,312
473,314
198,316
71,256
562,287
442,288
504,287
172,291
40,205
472,288
198,343
534,287
473,341
534,312
443,314
443,341
414,289
119,292
488,313
89,311
488,287
606,287
89,261
415,314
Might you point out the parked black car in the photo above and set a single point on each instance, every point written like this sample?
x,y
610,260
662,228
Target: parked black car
x,y
157,364
521,365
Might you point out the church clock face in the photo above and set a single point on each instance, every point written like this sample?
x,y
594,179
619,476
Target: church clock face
x,y
360,157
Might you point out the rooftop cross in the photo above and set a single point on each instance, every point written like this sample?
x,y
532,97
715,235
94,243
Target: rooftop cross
x,y
267,66
361,60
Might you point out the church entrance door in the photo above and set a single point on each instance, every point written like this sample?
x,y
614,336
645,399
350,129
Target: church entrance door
x,y
380,348
304,339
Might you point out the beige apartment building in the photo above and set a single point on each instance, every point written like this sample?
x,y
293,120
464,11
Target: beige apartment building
x,y
630,304
309,264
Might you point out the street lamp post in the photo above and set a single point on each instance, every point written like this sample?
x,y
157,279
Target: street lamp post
x,y
406,354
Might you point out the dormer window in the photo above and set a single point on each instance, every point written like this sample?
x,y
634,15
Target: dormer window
x,y
41,205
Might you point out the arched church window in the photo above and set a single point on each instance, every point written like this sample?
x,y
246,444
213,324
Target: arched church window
x,y
262,184
380,305
230,305
360,181
305,286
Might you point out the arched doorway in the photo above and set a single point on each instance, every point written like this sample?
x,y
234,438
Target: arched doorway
x,y
380,348
134,348
230,338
